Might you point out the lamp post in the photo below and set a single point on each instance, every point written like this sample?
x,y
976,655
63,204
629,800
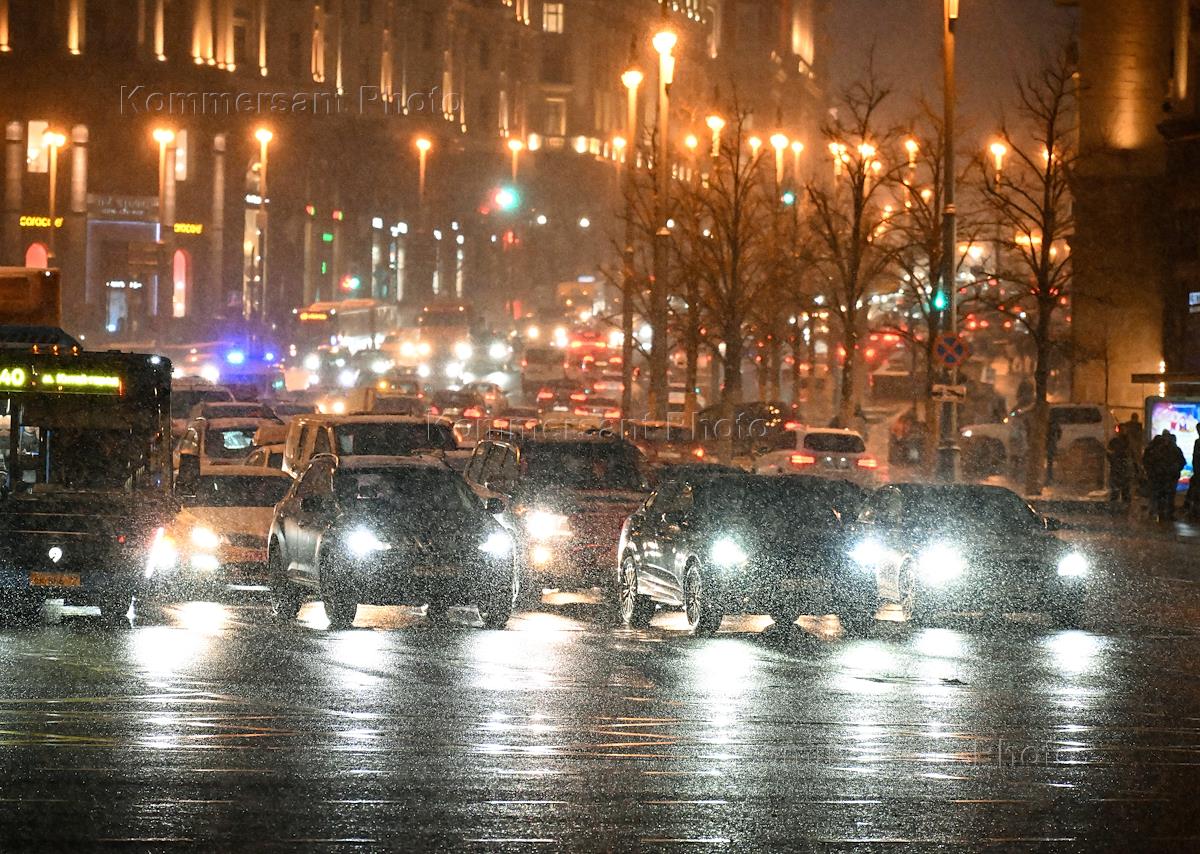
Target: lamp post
x,y
165,137
715,124
515,146
631,79
53,141
797,150
664,42
264,136
755,144
998,150
423,145
779,142
948,450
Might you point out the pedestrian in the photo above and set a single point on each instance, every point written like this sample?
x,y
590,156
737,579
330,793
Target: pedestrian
x,y
1191,501
1120,467
1163,462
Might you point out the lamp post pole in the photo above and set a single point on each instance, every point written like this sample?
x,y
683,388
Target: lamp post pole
x,y
53,141
948,452
632,78
664,42
263,135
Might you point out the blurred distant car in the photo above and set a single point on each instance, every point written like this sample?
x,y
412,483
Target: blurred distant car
x,y
285,410
663,442
744,544
609,384
219,537
596,411
541,365
491,393
517,419
221,441
951,548
364,435
401,531
677,397
823,452
755,427
233,409
457,404
401,382
186,392
372,400
988,448
561,397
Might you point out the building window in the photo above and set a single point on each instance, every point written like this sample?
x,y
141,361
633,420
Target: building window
x,y
552,17
556,117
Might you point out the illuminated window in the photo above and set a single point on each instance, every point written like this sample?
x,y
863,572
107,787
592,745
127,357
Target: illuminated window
x,y
552,17
181,155
181,276
35,153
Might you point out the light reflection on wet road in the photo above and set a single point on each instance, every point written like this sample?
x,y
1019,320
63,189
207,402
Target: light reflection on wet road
x,y
219,728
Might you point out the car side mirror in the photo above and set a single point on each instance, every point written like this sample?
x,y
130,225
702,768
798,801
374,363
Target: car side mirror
x,y
1053,524
494,506
187,480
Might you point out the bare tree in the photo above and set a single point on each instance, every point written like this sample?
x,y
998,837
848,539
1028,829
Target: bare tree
x,y
1029,203
849,247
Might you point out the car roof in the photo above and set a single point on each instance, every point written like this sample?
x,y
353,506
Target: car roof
x,y
840,431
243,471
376,418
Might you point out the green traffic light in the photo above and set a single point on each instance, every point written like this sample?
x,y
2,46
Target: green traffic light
x,y
939,301
788,198
507,198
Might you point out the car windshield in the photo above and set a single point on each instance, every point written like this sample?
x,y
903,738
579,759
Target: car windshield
x,y
789,500
239,491
391,439
834,443
415,490
980,507
584,466
228,443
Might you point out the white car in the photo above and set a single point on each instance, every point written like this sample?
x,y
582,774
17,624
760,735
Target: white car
x,y
825,452
219,537
993,446
219,442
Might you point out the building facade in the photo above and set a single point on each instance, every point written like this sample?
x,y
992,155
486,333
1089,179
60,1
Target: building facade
x,y
155,116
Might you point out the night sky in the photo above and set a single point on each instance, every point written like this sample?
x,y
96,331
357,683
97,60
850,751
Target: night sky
x,y
996,38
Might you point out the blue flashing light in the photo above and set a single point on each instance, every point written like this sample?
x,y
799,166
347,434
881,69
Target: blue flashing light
x,y
235,357
268,356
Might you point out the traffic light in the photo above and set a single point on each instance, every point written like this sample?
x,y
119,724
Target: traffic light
x,y
350,283
506,199
940,302
788,198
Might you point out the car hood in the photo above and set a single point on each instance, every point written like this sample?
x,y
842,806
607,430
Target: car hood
x,y
255,521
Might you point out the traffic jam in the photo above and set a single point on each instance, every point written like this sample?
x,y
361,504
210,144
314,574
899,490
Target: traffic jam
x,y
450,468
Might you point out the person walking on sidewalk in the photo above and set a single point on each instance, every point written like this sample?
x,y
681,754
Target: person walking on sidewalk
x,y
1163,462
1121,465
1191,501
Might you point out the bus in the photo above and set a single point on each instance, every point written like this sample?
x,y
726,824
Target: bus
x,y
86,486
352,324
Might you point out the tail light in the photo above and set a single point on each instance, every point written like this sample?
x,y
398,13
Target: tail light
x,y
867,463
802,460
524,363
531,423
791,425
545,395
472,412
578,396
500,423
582,410
698,453
433,410
612,413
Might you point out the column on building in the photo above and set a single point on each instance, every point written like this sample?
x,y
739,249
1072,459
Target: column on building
x,y
14,174
210,297
79,304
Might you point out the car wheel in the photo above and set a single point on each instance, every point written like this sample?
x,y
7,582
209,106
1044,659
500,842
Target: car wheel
x,y
703,617
783,620
286,598
114,608
633,609
497,607
341,605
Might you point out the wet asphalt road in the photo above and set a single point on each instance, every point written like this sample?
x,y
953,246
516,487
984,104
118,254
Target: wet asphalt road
x,y
217,729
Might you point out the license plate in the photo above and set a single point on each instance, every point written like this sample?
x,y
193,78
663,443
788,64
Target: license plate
x,y
53,579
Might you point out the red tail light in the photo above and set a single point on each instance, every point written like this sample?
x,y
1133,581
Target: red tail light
x,y
867,463
698,453
433,410
500,423
582,410
524,363
612,413
802,460
791,425
578,396
545,395
472,412
531,423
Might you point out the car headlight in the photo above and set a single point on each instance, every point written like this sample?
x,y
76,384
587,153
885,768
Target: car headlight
x,y
544,525
1073,565
940,564
497,544
725,552
362,542
312,362
205,538
870,553
497,350
408,350
162,554
967,434
454,370
463,350
423,371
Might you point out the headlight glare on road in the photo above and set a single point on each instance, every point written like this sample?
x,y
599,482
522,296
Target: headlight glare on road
x,y
940,564
205,538
544,525
497,544
1073,565
162,554
363,542
727,553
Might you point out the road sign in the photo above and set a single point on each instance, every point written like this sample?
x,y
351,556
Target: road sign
x,y
949,393
951,350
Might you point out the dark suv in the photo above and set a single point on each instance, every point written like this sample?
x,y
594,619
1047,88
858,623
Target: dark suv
x,y
388,531
567,496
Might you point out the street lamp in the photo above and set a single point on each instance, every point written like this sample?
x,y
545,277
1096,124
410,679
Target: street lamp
x,y
797,150
715,124
755,144
779,142
998,150
515,146
618,146
165,137
948,448
264,137
631,79
53,141
664,42
912,147
838,150
423,145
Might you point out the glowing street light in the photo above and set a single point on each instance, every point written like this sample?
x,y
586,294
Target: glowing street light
x,y
264,137
715,124
998,150
515,146
53,141
912,147
423,145
797,150
755,145
779,142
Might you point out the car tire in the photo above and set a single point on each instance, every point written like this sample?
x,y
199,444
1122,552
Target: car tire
x,y
286,598
341,605
703,617
114,608
783,621
496,608
633,609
